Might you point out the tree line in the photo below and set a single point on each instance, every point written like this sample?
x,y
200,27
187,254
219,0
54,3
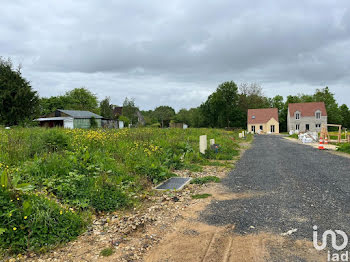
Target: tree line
x,y
226,107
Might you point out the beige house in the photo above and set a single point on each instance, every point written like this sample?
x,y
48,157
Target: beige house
x,y
264,120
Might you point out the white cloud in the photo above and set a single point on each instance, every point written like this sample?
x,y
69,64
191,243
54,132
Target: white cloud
x,y
177,52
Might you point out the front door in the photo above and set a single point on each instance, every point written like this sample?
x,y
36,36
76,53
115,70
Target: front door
x,y
307,127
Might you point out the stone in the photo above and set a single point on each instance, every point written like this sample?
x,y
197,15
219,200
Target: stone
x,y
203,144
212,141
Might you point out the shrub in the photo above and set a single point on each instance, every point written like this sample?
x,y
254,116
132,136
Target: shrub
x,y
344,148
54,140
107,197
30,222
125,120
93,122
294,136
153,172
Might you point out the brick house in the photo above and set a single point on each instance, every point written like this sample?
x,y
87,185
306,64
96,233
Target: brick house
x,y
304,117
263,120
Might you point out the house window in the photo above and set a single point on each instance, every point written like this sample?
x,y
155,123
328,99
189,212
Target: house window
x,y
318,115
297,116
253,117
318,125
261,128
297,127
272,128
253,129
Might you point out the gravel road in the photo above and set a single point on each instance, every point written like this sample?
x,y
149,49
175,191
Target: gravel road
x,y
292,186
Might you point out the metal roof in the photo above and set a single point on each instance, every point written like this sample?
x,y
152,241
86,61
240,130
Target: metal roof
x,y
79,114
53,118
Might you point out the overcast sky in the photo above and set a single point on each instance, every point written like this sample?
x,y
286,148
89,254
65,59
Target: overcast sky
x,y
177,52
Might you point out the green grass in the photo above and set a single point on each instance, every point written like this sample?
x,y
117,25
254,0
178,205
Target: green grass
x,y
63,177
344,148
107,252
200,196
205,180
294,136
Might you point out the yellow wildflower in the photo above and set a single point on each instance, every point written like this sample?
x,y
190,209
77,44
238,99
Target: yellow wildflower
x,y
25,217
61,212
14,229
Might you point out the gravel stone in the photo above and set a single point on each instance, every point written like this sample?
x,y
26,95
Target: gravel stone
x,y
292,186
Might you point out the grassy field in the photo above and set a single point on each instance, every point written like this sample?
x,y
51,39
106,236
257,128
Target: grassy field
x,y
53,180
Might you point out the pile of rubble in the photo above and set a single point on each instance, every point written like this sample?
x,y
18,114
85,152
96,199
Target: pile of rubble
x,y
307,137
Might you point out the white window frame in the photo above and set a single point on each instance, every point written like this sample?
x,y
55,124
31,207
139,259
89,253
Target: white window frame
x,y
253,128
297,115
297,127
318,113
318,125
272,129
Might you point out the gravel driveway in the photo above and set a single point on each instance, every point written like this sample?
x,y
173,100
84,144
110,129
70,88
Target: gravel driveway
x,y
292,187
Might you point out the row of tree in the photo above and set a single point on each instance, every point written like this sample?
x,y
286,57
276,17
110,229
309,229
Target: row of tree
x,y
226,107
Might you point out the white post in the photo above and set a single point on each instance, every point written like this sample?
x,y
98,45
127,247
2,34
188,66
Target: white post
x,y
203,144
212,141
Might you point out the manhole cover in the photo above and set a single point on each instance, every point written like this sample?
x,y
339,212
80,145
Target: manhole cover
x,y
174,183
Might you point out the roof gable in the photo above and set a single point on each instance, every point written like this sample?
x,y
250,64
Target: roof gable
x,y
307,109
79,114
262,115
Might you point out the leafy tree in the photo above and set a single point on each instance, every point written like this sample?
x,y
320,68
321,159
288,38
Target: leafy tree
x,y
76,99
81,99
130,110
106,108
251,96
164,113
183,116
192,117
196,118
125,120
345,113
51,104
18,102
221,108
149,117
333,112
277,102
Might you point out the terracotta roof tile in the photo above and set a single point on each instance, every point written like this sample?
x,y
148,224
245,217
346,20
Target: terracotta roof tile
x,y
262,115
307,109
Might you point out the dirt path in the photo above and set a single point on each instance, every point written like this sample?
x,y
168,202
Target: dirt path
x,y
192,240
265,209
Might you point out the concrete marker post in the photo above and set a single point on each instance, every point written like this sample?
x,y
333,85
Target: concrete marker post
x,y
203,144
